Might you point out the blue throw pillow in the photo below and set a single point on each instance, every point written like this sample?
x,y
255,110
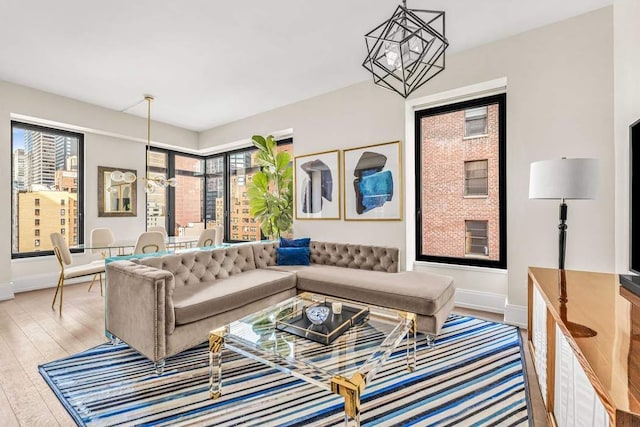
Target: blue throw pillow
x,y
295,243
293,256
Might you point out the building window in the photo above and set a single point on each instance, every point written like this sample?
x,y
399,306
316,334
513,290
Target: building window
x,y
476,178
475,122
62,221
476,238
62,212
453,181
63,231
46,173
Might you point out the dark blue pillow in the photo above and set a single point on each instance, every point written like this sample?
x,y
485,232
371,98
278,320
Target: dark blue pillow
x,y
293,256
295,243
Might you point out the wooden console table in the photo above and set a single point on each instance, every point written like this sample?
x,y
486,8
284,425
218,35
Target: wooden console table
x,y
584,336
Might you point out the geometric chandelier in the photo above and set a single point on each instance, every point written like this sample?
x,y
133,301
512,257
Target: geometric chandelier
x,y
407,50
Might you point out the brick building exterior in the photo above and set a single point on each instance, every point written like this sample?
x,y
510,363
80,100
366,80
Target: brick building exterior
x,y
447,207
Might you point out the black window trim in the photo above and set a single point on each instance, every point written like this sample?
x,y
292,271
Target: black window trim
x,y
80,189
501,100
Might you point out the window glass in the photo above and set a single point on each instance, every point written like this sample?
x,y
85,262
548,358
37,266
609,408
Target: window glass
x,y
215,190
242,166
189,196
461,199
46,174
157,199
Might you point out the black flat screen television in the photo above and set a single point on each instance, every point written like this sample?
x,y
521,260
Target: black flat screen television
x,y
632,282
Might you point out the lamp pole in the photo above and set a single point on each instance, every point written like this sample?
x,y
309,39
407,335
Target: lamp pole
x,y
562,238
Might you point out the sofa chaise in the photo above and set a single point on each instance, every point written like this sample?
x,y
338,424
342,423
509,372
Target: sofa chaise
x,y
163,305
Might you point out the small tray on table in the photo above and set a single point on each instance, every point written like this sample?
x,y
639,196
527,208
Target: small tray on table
x,y
298,324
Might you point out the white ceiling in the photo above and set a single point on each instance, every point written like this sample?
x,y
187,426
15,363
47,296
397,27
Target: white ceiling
x,y
209,62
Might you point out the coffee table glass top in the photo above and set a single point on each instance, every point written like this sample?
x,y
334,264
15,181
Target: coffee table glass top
x,y
361,349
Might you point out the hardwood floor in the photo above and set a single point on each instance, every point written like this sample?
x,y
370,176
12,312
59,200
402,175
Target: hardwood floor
x,y
31,334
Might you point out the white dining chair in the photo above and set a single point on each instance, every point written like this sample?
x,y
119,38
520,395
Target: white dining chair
x,y
219,234
207,238
63,254
100,239
159,229
150,242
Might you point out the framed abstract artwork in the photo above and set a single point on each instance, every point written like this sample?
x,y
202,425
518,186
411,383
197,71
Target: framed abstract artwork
x,y
373,182
317,185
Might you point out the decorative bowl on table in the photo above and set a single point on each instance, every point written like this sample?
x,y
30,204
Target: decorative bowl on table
x,y
317,314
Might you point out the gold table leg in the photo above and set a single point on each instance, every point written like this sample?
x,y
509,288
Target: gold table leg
x,y
350,390
216,343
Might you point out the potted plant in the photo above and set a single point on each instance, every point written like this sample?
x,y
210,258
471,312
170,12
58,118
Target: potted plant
x,y
270,192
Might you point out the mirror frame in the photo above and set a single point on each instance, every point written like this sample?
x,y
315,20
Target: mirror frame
x,y
101,196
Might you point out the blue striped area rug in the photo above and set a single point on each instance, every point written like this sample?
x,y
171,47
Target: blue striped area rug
x,y
474,376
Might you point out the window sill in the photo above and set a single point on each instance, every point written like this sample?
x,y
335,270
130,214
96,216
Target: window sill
x,y
466,138
486,196
446,266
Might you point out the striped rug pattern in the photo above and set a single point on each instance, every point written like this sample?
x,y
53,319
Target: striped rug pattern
x,y
474,376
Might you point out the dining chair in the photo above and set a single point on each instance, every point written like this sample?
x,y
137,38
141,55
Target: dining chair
x,y
63,254
207,238
159,229
149,242
219,234
99,241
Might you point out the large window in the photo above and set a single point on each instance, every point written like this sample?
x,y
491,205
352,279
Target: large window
x,y
461,183
46,173
209,191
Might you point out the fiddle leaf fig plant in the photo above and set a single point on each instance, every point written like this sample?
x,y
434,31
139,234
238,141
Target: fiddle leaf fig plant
x,y
270,192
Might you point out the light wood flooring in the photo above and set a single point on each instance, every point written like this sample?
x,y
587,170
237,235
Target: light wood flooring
x,y
31,334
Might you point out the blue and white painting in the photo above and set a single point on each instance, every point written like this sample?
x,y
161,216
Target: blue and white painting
x,y
317,186
373,182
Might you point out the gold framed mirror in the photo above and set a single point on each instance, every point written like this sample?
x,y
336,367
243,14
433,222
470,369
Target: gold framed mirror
x,y
117,192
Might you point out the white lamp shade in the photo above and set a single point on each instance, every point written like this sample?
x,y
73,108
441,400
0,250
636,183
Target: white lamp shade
x,y
564,179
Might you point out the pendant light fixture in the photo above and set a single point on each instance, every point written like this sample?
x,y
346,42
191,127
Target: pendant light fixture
x,y
407,50
157,181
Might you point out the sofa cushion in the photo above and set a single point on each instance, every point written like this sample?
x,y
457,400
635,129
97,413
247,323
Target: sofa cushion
x,y
416,292
295,243
364,257
204,266
199,301
293,256
265,254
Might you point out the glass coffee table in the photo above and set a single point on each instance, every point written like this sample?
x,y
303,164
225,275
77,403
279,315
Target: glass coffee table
x,y
342,364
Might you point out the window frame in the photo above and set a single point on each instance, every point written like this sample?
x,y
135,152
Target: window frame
x,y
501,100
486,237
80,188
170,194
467,179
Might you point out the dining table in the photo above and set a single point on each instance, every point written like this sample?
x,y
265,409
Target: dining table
x,y
126,245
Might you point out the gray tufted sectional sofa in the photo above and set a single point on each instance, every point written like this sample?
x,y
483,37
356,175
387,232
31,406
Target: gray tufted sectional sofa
x,y
166,304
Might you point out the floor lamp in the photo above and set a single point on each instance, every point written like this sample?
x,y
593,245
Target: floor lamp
x,y
563,179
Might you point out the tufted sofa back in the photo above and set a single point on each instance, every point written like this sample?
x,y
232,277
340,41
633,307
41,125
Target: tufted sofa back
x,y
364,257
201,266
265,254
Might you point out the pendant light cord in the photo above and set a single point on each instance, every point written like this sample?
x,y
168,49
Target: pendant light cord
x,y
148,98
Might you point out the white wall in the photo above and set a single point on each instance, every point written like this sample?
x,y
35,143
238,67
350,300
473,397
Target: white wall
x,y
626,35
559,103
126,149
354,116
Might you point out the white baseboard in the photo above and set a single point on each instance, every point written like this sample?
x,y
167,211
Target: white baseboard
x,y
6,291
515,315
477,300
42,281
